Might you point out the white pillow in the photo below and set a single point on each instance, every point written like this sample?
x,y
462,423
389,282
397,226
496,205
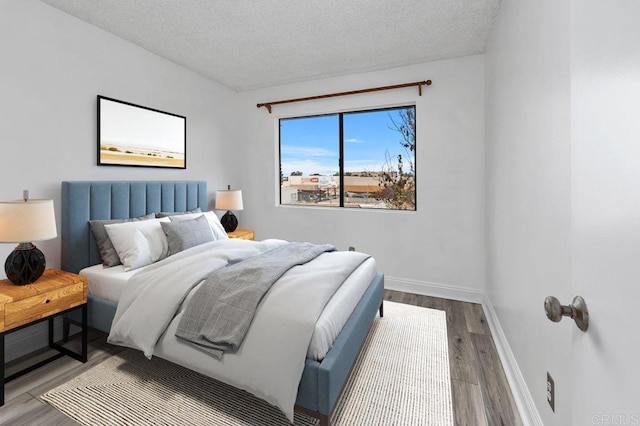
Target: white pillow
x,y
139,243
218,231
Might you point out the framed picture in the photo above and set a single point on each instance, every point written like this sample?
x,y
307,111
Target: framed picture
x,y
133,135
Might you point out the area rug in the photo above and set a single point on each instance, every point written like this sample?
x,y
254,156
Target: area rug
x,y
400,378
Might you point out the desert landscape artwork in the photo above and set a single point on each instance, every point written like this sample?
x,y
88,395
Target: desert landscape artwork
x,y
133,135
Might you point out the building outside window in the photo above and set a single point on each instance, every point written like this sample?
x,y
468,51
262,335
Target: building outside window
x,y
360,159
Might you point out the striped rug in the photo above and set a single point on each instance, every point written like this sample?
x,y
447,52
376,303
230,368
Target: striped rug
x,y
400,378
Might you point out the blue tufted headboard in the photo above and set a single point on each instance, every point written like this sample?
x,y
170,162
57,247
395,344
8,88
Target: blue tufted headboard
x,y
83,201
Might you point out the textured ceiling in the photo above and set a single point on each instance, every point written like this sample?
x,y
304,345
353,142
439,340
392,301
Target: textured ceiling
x,y
248,44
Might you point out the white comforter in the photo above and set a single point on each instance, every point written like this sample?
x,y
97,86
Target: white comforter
x,y
270,362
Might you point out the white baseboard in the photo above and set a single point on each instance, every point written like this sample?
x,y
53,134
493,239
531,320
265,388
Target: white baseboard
x,y
445,291
30,339
521,394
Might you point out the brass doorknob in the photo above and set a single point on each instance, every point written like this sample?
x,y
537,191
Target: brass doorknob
x,y
576,310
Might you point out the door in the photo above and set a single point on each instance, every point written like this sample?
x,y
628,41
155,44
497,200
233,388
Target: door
x,y
605,143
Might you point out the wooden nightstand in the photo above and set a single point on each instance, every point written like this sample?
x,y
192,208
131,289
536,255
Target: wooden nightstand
x,y
56,292
243,234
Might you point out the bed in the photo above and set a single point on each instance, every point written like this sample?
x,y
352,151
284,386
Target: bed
x,y
322,381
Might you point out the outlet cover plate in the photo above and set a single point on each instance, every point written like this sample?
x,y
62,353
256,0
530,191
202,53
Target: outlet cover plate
x,y
551,392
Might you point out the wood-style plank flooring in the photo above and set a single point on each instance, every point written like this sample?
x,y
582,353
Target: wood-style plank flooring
x,y
480,392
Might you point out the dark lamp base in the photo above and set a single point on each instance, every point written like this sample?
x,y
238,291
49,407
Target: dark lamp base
x,y
25,264
229,221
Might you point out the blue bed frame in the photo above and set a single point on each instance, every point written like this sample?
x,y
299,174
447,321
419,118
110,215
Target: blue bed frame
x,y
321,383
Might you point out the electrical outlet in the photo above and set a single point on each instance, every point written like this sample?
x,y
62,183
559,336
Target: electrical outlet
x,y
551,392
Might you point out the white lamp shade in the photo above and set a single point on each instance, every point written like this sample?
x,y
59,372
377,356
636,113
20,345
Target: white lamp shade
x,y
27,221
229,199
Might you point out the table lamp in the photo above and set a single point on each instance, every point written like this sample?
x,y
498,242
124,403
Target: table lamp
x,y
229,200
24,221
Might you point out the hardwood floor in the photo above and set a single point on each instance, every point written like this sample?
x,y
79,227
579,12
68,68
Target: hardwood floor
x,y
480,392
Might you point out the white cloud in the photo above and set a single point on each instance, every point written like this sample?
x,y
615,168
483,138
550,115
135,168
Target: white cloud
x,y
303,151
354,140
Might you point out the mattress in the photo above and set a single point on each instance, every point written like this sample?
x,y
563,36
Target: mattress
x,y
108,283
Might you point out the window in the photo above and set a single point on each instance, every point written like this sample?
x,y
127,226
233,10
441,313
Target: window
x,y
363,159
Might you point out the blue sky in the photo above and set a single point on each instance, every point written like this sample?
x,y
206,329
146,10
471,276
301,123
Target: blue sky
x,y
311,144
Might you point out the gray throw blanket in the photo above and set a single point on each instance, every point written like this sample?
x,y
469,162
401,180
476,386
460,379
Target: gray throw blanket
x,y
220,312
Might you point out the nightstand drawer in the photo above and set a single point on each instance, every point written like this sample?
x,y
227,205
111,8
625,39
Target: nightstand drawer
x,y
32,308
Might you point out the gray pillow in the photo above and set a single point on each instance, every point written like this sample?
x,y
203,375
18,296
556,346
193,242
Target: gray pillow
x,y
108,254
160,215
187,233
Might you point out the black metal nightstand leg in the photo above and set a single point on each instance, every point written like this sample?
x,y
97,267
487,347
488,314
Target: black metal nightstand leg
x,y
85,333
2,367
82,355
50,331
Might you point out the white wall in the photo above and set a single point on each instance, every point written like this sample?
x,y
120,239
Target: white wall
x,y
53,66
528,174
51,69
439,248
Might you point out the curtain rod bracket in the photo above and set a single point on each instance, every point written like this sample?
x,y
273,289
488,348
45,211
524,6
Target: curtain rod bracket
x,y
268,105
